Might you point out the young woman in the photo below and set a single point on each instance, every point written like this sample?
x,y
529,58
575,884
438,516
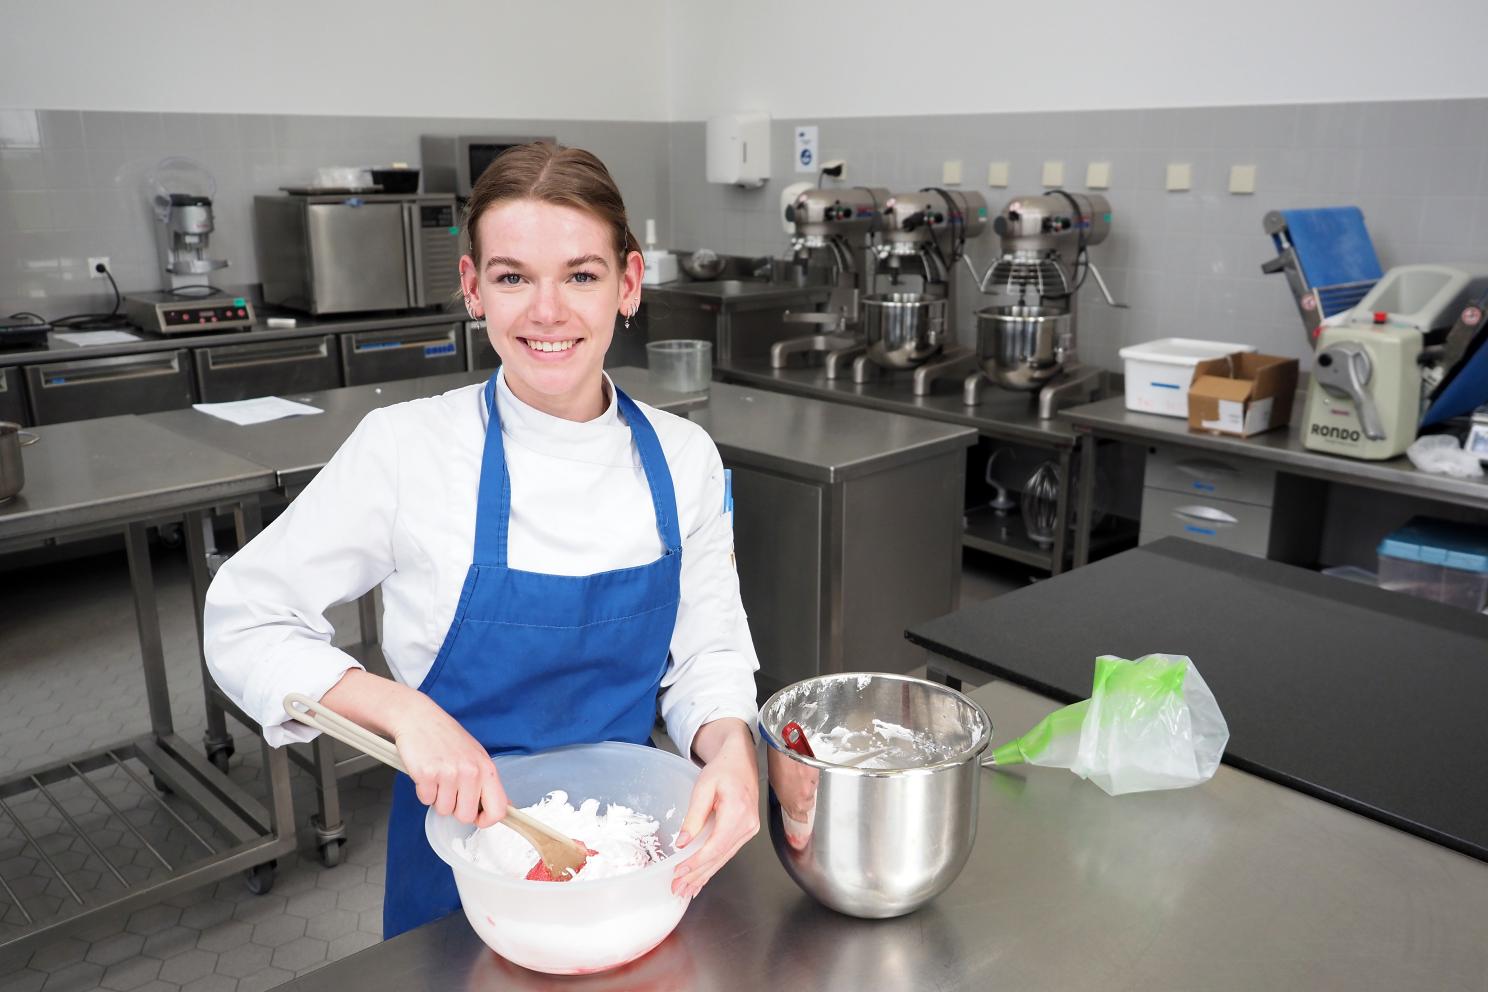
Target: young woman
x,y
554,556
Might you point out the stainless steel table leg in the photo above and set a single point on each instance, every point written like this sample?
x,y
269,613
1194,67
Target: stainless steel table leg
x,y
367,617
217,741
147,617
1062,512
330,829
1086,505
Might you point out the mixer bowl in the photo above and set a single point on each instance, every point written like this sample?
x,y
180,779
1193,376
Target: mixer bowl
x,y
1023,347
874,842
585,925
903,330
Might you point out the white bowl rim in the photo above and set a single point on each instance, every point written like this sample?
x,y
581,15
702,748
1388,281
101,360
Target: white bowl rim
x,y
675,858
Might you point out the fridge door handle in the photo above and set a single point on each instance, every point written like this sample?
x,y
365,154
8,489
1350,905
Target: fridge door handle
x,y
410,240
416,288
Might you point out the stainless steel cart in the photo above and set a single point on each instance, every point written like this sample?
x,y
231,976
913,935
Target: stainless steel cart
x,y
197,826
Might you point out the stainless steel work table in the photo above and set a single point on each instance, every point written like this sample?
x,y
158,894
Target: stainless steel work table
x,y
1003,415
1239,884
1282,449
122,473
295,449
847,525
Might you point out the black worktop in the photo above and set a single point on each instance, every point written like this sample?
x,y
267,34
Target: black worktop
x,y
1367,698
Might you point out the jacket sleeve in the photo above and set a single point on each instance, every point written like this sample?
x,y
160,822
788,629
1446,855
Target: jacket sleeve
x,y
265,627
713,660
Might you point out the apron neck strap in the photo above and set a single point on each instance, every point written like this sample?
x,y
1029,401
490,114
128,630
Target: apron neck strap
x,y
493,504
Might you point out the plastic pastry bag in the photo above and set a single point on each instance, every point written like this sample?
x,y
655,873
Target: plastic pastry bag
x,y
1149,724
1441,454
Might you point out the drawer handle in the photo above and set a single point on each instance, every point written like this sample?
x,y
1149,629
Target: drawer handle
x,y
1205,514
232,358
1201,468
77,375
389,344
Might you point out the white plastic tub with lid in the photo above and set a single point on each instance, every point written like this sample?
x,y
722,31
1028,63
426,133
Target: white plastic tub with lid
x,y
1158,373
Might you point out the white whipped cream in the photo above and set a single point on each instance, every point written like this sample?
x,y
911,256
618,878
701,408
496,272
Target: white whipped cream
x,y
881,745
623,840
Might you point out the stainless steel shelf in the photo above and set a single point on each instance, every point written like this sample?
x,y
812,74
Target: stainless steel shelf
x,y
1005,537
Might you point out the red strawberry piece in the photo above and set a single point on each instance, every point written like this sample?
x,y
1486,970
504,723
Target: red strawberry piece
x,y
540,873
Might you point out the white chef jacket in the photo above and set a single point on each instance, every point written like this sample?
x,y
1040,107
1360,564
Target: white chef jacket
x,y
396,506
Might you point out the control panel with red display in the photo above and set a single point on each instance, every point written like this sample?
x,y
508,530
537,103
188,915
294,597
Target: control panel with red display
x,y
172,313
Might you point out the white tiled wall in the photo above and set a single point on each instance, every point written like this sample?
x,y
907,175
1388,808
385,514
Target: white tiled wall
x,y
72,184
1188,263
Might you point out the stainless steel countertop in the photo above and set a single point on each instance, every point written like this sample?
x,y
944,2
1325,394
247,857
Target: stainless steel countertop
x,y
737,293
1002,414
298,447
1238,884
60,351
814,439
95,473
1282,448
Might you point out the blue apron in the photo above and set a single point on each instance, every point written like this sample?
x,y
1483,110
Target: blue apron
x,y
603,639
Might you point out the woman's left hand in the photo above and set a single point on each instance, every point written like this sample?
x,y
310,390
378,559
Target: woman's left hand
x,y
728,789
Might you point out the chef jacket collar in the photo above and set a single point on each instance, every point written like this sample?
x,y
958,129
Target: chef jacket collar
x,y
605,440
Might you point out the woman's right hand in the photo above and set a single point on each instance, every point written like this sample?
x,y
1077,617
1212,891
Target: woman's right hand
x,y
451,771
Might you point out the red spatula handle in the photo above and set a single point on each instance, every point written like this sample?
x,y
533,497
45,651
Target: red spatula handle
x,y
795,739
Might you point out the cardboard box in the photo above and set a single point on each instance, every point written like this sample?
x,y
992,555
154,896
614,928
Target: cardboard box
x,y
1242,394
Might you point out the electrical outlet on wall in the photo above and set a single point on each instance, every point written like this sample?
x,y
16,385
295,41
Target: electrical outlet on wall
x,y
93,264
997,174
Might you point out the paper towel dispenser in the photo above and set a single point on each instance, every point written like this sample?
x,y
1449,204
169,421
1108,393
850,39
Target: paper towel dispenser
x,y
739,149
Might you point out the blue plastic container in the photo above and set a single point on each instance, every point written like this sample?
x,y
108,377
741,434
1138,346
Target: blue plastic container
x,y
1437,559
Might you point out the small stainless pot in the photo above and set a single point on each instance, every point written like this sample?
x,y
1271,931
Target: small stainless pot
x,y
874,842
903,330
1023,347
12,471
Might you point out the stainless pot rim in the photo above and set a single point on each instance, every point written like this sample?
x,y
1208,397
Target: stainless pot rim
x,y
971,755
1014,312
902,300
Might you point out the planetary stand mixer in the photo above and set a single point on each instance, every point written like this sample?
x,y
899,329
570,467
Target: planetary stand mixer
x,y
923,238
841,223
1028,342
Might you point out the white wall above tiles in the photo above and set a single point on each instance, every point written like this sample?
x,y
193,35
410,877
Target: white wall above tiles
x,y
506,59
879,57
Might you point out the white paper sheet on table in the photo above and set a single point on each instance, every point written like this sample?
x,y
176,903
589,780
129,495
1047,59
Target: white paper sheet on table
x,y
256,411
95,337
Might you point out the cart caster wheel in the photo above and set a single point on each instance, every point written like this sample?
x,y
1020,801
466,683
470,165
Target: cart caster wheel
x,y
260,878
160,785
220,759
331,852
170,536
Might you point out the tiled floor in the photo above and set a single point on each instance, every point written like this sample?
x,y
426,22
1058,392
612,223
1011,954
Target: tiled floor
x,y
70,681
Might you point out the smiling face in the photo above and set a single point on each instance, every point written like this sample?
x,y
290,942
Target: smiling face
x,y
549,286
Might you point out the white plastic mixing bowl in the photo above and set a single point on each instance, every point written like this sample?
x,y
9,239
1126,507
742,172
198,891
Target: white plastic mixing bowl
x,y
584,925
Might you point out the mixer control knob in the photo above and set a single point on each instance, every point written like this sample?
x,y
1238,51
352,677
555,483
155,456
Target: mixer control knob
x,y
1000,226
790,214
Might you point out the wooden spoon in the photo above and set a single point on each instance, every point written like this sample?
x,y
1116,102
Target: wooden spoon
x,y
562,856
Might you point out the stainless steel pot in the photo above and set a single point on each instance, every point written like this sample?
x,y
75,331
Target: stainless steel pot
x,y
12,471
1023,347
874,842
903,330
